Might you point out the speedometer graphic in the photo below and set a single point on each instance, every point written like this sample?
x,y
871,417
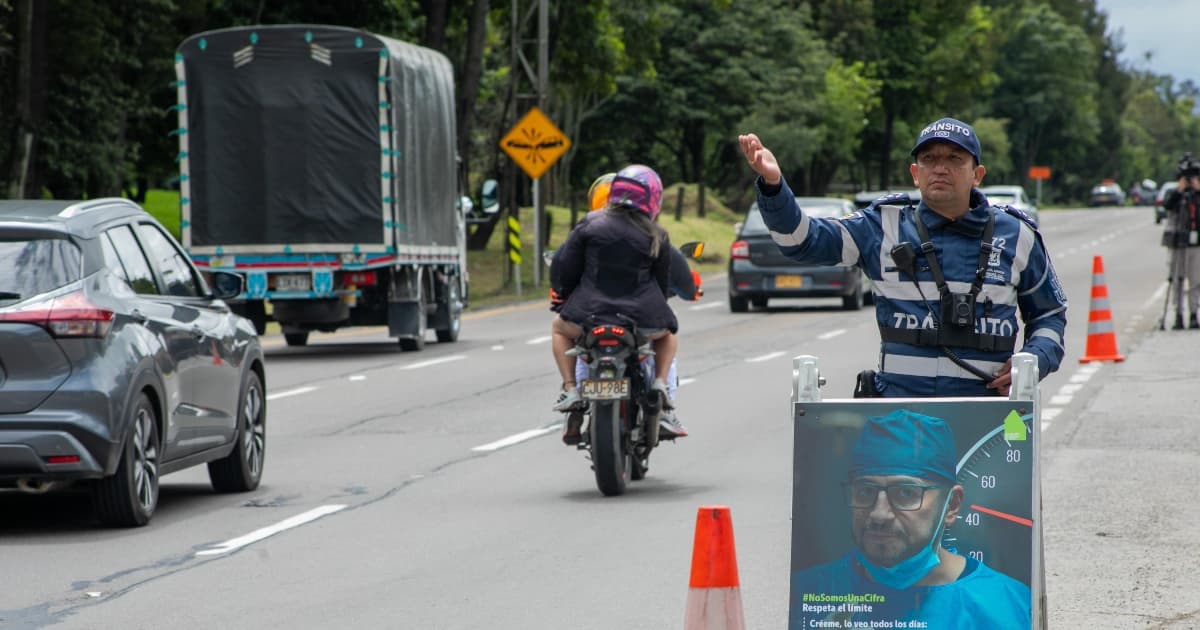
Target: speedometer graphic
x,y
996,518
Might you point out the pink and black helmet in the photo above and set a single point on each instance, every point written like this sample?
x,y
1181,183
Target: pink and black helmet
x,y
637,186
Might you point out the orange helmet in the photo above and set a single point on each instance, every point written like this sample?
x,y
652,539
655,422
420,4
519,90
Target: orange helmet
x,y
598,193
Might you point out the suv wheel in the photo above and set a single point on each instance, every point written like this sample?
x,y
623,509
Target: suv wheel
x,y
242,469
129,497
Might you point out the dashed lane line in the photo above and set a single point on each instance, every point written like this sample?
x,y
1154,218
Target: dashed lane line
x,y
234,544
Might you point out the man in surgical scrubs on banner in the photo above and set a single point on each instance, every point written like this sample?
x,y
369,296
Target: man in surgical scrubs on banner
x,y
902,494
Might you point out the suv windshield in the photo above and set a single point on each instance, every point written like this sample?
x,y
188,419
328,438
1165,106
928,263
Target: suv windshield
x,y
33,267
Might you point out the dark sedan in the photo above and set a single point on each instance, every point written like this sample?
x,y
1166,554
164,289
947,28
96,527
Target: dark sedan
x,y
759,272
1107,194
118,362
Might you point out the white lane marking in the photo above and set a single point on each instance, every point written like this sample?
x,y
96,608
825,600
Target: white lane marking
x,y
1069,389
421,364
765,357
701,307
291,392
1157,297
271,530
1045,425
516,439
358,377
536,340
831,334
497,347
1060,400
1081,376
1050,414
685,381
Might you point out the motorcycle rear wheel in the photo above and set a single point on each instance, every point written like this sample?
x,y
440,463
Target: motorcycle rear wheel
x,y
610,461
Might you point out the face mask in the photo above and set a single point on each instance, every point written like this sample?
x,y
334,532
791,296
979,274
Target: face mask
x,y
909,571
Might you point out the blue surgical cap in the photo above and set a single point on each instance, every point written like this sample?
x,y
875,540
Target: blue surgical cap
x,y
904,443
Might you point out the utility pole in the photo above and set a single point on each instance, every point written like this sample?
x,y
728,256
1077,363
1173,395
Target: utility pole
x,y
530,87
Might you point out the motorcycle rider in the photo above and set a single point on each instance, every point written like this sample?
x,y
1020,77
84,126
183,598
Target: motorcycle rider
x,y
616,261
950,274
684,282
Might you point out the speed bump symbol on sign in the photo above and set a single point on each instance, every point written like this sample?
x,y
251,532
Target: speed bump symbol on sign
x,y
535,143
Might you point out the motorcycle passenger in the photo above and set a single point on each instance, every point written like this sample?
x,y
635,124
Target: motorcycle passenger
x,y
950,274
684,283
615,261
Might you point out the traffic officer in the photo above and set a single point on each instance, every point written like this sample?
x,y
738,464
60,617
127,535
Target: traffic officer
x,y
950,273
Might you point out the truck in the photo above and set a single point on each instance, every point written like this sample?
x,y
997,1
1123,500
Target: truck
x,y
320,162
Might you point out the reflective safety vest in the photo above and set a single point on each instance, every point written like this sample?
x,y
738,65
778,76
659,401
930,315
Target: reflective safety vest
x,y
1017,278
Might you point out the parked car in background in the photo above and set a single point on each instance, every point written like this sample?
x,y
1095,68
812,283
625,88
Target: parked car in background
x,y
1160,213
120,363
864,199
758,271
1011,196
1108,193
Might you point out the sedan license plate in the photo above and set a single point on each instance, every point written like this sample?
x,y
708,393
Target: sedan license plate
x,y
605,389
789,282
293,282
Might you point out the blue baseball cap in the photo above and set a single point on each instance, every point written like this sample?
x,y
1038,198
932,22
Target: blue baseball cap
x,y
950,130
904,443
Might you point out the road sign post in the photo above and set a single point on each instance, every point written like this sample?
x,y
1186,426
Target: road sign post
x,y
535,144
1038,173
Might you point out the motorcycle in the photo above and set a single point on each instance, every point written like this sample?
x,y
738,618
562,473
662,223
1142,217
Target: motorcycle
x,y
620,411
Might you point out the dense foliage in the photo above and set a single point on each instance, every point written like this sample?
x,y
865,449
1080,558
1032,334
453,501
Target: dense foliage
x,y
838,88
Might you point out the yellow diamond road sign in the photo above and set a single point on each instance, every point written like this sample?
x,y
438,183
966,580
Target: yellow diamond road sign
x,y
535,143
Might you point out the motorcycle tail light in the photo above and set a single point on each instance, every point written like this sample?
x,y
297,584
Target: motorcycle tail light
x,y
607,342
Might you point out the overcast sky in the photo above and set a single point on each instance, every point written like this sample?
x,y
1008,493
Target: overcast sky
x,y
1167,28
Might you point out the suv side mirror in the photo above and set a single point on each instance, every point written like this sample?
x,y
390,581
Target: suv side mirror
x,y
227,285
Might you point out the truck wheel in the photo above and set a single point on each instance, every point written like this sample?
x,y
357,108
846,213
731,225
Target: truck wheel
x,y
296,339
454,311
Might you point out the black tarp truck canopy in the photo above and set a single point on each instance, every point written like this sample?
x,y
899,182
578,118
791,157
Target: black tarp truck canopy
x,y
314,138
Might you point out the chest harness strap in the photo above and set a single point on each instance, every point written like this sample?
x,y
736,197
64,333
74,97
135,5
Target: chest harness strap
x,y
947,335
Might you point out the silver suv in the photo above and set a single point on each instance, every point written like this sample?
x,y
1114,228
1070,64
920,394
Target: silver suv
x,y
118,363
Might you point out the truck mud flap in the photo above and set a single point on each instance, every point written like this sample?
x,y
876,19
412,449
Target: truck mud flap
x,y
406,319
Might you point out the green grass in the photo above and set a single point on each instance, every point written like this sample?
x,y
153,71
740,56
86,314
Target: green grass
x,y
164,206
489,269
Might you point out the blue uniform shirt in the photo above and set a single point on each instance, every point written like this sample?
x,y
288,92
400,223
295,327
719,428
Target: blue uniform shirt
x,y
1019,280
981,598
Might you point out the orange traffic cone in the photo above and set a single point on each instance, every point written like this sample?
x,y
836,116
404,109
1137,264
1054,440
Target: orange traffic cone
x,y
1101,339
714,596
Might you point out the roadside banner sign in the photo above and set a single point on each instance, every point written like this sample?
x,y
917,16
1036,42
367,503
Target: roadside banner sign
x,y
535,143
916,512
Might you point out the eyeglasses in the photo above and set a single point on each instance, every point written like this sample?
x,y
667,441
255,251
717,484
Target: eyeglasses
x,y
952,161
904,497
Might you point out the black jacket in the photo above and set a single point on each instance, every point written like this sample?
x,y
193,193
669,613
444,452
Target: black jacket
x,y
605,268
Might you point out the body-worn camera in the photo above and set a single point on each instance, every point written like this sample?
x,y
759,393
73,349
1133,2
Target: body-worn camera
x,y
958,309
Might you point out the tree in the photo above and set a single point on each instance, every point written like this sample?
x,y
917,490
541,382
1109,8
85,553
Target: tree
x,y
1048,93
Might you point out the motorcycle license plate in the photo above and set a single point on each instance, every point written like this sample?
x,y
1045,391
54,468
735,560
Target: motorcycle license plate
x,y
605,389
789,282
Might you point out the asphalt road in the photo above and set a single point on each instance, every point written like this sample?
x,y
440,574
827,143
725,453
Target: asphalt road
x,y
430,490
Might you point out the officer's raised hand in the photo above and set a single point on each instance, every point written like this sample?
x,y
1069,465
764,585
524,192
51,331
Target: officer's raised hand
x,y
760,158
